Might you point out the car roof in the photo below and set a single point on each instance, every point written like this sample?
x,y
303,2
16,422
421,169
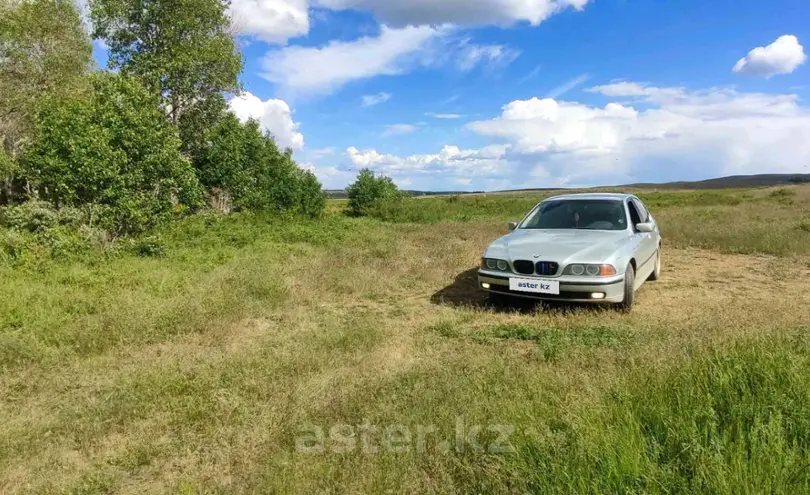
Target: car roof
x,y
609,196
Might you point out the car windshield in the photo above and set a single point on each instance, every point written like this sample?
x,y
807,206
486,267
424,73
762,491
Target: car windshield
x,y
590,214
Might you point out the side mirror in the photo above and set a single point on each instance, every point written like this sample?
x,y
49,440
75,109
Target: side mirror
x,y
512,225
645,228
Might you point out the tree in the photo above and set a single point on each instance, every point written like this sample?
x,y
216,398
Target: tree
x,y
44,49
246,163
113,148
368,190
313,200
180,49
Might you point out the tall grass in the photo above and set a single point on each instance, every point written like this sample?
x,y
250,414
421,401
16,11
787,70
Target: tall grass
x,y
765,221
189,359
727,421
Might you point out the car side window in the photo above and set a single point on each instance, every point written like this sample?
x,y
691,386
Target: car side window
x,y
642,211
635,218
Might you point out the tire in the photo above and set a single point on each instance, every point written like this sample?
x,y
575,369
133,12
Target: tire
x,y
629,291
656,274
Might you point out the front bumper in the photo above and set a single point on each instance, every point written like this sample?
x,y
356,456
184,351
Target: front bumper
x,y
572,291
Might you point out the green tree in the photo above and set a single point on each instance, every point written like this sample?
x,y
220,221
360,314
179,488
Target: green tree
x,y
246,163
180,49
312,199
369,190
44,49
112,148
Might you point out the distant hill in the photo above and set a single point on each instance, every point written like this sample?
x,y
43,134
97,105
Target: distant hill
x,y
734,181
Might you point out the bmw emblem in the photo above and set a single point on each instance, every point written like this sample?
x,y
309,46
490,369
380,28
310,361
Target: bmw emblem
x,y
536,256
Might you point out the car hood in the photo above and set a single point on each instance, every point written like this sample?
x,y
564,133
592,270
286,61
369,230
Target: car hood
x,y
561,246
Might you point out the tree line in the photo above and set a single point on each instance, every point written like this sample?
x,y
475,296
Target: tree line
x,y
146,139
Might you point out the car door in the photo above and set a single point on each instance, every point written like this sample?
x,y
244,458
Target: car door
x,y
647,241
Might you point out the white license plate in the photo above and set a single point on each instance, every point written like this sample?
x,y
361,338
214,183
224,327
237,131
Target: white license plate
x,y
534,285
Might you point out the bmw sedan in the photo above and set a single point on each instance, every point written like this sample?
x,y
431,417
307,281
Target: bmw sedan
x,y
595,247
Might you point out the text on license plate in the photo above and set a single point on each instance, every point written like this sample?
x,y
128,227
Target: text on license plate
x,y
534,285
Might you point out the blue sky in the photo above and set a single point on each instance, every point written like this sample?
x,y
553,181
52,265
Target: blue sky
x,y
495,94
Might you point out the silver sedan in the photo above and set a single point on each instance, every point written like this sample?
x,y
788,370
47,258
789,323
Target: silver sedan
x,y
597,248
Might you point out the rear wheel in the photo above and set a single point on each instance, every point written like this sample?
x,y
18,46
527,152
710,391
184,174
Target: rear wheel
x,y
656,274
629,291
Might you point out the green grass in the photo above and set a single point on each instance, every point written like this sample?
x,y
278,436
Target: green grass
x,y
761,221
193,358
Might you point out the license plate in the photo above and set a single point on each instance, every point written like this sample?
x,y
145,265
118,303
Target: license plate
x,y
534,285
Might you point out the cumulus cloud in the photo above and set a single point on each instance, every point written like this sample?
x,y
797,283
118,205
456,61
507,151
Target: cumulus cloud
x,y
274,21
372,100
706,133
273,115
298,69
782,56
451,160
654,134
461,12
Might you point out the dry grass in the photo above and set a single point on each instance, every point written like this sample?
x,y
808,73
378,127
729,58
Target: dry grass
x,y
385,326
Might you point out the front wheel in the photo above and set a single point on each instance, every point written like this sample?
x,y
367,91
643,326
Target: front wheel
x,y
656,274
629,291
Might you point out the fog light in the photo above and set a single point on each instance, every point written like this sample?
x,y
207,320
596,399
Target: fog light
x,y
598,295
486,286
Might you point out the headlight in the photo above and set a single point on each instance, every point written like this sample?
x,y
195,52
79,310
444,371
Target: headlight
x,y
494,264
590,270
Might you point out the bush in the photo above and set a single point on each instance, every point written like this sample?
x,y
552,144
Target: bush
x,y
256,175
37,216
151,246
312,200
113,148
369,191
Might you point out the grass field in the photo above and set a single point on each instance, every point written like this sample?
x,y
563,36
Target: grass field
x,y
257,354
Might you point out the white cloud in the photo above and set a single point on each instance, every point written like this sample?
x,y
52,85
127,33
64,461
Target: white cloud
x,y
568,86
274,116
446,116
707,133
625,88
450,161
656,134
273,21
472,55
371,100
782,56
462,12
298,69
397,129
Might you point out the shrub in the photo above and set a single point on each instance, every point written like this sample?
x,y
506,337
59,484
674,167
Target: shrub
x,y
369,191
151,246
114,148
37,216
312,200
